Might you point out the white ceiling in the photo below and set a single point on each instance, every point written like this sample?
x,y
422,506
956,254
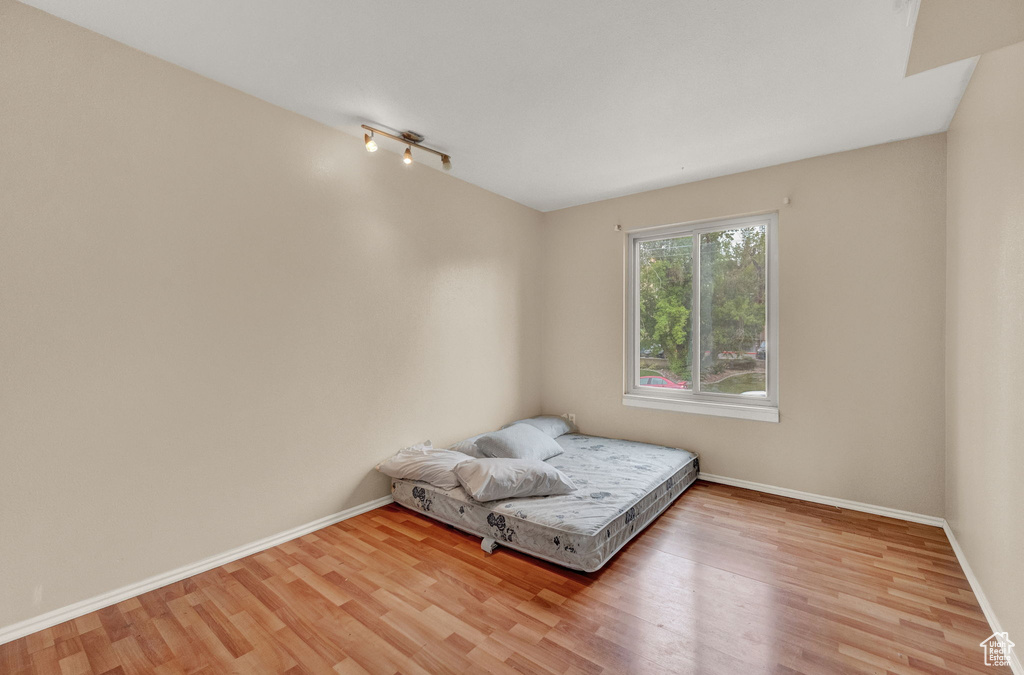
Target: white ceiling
x,y
560,103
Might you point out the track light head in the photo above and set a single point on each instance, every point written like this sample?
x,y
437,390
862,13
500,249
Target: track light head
x,y
407,156
371,145
446,162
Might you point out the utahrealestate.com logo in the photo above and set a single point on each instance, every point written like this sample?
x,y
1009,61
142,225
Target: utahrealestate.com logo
x,y
997,649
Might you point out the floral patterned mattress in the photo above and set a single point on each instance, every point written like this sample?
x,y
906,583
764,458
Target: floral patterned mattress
x,y
623,487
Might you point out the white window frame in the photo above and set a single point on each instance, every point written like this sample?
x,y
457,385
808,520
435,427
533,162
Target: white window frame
x,y
694,400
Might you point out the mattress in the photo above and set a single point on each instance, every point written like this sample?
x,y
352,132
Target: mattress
x,y
622,487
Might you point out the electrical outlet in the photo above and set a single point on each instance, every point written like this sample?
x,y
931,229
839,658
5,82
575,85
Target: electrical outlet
x,y
571,417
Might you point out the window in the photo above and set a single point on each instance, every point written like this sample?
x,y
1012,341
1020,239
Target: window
x,y
702,329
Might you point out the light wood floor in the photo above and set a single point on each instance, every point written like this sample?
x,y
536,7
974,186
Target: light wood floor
x,y
726,581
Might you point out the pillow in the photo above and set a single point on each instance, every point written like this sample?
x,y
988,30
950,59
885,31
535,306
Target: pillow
x,y
468,447
519,441
499,478
551,425
422,462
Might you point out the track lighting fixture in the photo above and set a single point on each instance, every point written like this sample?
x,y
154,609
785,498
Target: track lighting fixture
x,y
410,139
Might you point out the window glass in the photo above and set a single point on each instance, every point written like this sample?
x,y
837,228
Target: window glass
x,y
733,317
666,300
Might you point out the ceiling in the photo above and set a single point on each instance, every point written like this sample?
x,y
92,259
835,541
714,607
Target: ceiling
x,y
554,104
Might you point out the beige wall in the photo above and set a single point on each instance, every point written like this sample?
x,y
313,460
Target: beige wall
x,y
985,331
951,30
862,267
218,315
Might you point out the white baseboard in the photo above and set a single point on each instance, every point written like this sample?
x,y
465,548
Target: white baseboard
x,y
986,608
830,501
29,626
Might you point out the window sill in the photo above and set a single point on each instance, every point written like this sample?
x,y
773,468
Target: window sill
x,y
746,412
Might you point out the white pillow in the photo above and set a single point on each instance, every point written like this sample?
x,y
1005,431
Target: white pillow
x,y
468,446
422,462
519,441
552,425
499,478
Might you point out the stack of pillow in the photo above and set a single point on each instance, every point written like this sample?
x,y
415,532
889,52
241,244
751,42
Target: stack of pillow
x,y
498,465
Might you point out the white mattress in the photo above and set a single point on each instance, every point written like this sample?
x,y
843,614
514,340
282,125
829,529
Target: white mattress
x,y
623,486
